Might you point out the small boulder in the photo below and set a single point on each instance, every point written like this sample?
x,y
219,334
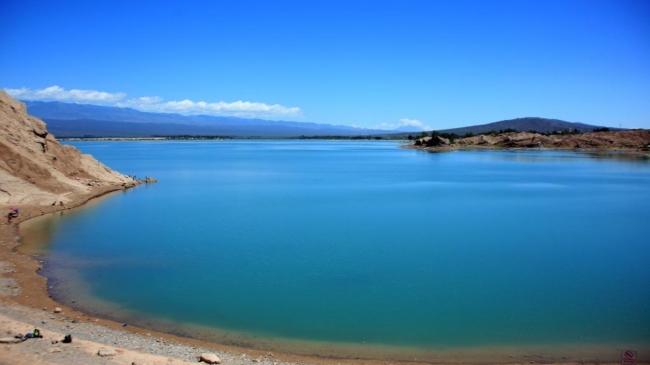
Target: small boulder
x,y
106,352
57,310
210,358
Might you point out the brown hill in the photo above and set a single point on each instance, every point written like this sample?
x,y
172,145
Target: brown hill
x,y
35,169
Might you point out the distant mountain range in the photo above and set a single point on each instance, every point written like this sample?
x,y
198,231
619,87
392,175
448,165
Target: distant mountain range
x,y
83,120
78,120
541,125
528,124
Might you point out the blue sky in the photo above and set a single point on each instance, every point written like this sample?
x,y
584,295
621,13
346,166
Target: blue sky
x,y
440,64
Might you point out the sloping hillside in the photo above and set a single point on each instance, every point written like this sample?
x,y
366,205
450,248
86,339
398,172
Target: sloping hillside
x,y
540,125
36,169
528,124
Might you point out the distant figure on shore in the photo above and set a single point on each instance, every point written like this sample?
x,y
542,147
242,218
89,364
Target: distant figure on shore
x,y
61,203
13,213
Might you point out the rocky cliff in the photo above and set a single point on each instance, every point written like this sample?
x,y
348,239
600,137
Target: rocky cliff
x,y
36,169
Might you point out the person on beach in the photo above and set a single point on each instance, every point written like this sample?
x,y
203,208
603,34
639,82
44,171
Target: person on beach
x,y
13,213
35,334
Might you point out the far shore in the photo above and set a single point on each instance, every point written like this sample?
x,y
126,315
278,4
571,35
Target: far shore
x,y
25,304
608,152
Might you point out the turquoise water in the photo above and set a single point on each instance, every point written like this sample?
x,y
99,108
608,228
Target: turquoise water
x,y
365,243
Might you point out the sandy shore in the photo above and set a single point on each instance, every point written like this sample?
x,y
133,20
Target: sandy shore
x,y
25,304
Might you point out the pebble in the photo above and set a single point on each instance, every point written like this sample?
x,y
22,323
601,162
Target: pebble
x,y
57,310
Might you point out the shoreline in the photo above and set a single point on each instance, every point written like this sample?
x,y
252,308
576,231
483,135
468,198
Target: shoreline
x,y
24,290
32,296
632,142
626,151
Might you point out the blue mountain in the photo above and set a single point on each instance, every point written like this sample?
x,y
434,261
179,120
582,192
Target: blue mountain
x,y
75,120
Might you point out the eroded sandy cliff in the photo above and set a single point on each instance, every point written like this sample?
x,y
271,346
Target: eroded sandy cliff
x,y
36,169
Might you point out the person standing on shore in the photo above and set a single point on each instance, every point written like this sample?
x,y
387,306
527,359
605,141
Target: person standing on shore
x,y
13,213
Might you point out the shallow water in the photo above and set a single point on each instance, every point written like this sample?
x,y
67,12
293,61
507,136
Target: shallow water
x,y
362,243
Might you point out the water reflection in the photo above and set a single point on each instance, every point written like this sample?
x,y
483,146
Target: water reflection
x,y
37,234
533,156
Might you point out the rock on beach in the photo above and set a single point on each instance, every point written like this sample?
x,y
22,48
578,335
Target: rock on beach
x,y
106,352
210,358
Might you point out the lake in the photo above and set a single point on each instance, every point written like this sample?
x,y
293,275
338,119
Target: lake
x,y
328,247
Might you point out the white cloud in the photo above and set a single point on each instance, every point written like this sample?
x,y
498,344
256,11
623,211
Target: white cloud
x,y
58,93
404,122
145,100
155,103
413,123
237,108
